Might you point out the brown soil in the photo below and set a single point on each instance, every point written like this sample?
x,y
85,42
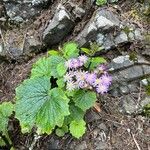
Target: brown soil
x,y
122,133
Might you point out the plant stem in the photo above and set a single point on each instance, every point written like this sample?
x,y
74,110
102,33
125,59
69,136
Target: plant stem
x,y
5,140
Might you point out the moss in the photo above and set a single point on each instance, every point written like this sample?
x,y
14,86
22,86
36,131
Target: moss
x,y
133,56
127,30
146,110
147,38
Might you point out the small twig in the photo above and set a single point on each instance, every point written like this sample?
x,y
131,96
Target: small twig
x,y
139,96
36,137
135,141
24,39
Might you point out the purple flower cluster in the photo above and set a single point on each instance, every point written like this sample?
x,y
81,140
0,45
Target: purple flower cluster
x,y
75,63
77,78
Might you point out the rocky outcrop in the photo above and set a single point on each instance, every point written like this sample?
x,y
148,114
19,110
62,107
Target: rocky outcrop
x,y
107,30
19,11
58,27
126,70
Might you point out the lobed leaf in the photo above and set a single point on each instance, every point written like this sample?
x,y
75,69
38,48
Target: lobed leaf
x,y
6,109
84,99
96,61
60,82
71,50
77,128
54,62
61,69
41,68
53,52
38,105
76,113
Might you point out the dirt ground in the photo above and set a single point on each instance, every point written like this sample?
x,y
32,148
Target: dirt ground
x,y
108,127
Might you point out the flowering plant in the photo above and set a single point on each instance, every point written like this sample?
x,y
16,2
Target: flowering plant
x,y
62,86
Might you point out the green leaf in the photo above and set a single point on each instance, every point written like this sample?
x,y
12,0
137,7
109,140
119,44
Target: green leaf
x,y
77,128
75,114
53,52
59,132
65,128
6,109
146,110
41,68
71,93
86,65
71,50
2,143
84,99
54,62
86,50
47,66
96,61
61,69
38,105
60,82
101,2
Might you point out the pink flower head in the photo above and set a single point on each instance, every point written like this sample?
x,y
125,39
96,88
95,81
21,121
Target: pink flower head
x,y
97,81
81,84
102,88
90,78
83,59
75,63
69,64
107,79
80,75
71,85
68,76
102,68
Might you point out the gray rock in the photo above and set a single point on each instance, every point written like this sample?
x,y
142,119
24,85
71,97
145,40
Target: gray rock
x,y
125,70
103,127
100,24
81,146
99,145
115,92
59,27
32,44
112,1
138,34
110,18
53,144
1,48
124,89
100,38
18,43
144,82
133,87
145,101
130,74
128,105
146,69
120,62
131,36
78,12
21,11
121,38
108,42
39,2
